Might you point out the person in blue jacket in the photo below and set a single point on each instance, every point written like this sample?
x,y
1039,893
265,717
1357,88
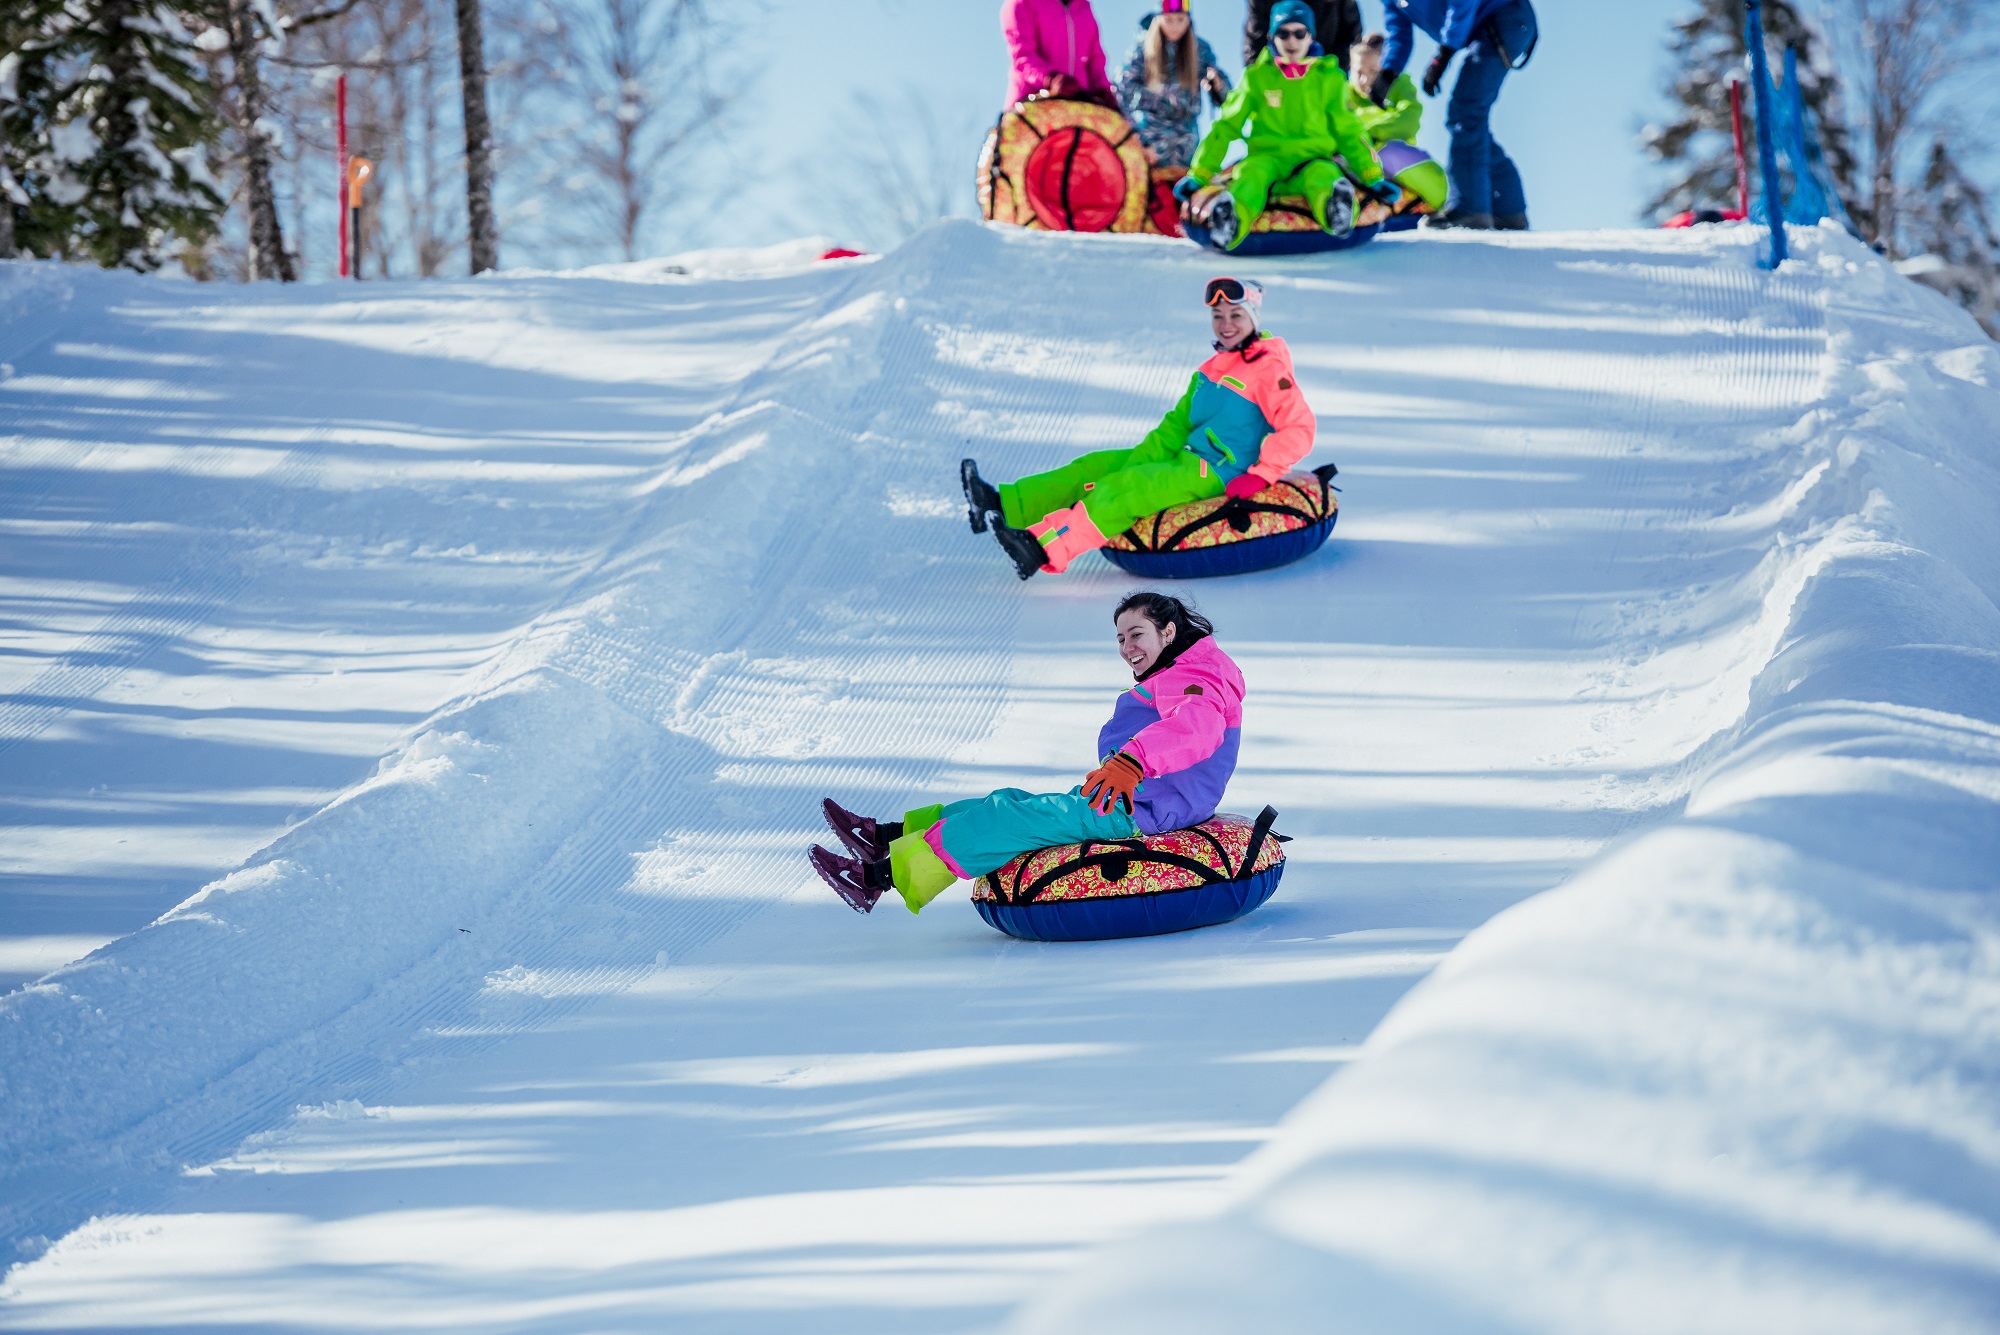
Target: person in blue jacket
x,y
1496,36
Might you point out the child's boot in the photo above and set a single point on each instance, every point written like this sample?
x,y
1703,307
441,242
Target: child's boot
x,y
1066,535
1222,222
1336,212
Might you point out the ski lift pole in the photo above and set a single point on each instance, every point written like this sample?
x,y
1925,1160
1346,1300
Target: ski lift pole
x,y
1742,164
1767,152
340,154
358,172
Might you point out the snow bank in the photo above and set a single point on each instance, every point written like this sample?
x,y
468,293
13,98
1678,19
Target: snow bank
x,y
1739,1074
693,265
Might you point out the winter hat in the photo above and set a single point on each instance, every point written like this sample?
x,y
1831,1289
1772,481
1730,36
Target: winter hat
x,y
1292,11
1173,6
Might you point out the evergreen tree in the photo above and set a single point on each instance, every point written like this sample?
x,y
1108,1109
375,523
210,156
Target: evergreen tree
x,y
118,165
27,67
1708,53
1957,247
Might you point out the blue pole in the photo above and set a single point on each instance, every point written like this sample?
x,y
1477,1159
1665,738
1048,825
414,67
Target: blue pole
x,y
1767,152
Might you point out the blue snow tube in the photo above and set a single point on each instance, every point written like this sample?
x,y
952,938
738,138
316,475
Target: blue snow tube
x,y
1283,243
1287,521
1402,222
1209,873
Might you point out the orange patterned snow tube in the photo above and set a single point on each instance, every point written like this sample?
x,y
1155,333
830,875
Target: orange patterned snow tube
x,y
1063,166
1209,873
1287,520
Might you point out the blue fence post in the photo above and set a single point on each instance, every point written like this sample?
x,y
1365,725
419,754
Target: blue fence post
x,y
1767,152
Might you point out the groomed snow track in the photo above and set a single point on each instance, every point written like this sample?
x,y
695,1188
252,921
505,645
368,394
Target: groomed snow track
x,y
541,1024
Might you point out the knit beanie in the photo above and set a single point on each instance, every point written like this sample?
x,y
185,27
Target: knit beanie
x,y
1292,11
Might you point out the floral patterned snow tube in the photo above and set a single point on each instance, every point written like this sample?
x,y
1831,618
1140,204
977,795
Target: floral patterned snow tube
x,y
1282,523
1206,874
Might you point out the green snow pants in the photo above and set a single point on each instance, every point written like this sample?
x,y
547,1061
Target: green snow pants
x,y
1117,487
1261,173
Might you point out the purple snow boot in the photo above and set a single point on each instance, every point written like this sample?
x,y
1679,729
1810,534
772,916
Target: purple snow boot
x,y
863,838
859,883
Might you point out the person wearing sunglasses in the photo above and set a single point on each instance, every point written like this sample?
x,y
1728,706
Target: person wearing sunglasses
x,y
1238,428
1497,36
1336,23
1053,48
1161,85
1295,108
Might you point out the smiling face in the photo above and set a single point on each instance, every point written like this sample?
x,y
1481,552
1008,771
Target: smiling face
x,y
1293,41
1232,323
1364,62
1175,25
1140,642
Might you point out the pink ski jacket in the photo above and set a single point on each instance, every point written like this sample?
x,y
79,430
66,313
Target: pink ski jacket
x,y
1047,37
1184,725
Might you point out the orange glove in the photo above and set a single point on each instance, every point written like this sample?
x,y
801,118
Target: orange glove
x,y
1112,783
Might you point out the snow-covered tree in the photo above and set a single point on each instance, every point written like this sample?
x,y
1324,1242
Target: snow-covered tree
x,y
119,170
1708,53
28,60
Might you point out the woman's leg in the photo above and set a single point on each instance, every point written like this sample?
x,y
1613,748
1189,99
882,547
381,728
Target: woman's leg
x,y
1116,501
971,838
1034,496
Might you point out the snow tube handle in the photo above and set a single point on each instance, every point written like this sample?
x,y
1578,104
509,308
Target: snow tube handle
x,y
1258,833
1326,473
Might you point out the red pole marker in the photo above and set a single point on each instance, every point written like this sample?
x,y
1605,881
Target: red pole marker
x,y
340,151
1742,165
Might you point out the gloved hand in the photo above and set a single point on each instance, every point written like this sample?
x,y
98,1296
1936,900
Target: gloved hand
x,y
1185,187
1112,783
1247,485
1385,191
1378,91
1434,73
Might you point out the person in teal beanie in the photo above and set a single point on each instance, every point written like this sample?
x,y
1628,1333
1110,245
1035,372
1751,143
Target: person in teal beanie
x,y
1295,106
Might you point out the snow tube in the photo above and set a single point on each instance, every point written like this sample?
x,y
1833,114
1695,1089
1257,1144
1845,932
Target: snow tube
x,y
1209,873
1063,166
1285,522
1286,226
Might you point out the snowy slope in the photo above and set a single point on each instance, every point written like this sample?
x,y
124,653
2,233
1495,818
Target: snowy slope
x,y
540,1023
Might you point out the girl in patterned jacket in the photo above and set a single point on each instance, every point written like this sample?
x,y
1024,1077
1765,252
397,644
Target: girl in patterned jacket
x,y
1242,422
1165,757
1161,85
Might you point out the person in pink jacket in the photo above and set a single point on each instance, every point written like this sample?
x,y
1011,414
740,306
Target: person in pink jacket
x,y
1164,758
1054,48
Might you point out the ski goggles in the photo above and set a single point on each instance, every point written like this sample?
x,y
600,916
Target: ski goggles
x,y
1236,291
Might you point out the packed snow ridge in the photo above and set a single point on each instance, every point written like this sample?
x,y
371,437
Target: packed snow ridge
x,y
1639,733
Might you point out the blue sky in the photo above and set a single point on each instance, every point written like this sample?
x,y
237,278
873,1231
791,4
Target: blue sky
x,y
1570,119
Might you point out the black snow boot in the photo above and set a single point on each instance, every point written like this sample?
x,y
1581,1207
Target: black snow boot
x,y
1339,217
1221,227
1023,547
1510,222
981,498
859,883
1471,222
863,838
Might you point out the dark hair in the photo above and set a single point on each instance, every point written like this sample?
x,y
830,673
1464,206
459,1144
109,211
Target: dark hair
x,y
1163,611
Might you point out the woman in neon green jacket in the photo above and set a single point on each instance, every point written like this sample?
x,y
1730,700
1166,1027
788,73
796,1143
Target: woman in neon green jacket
x,y
1298,120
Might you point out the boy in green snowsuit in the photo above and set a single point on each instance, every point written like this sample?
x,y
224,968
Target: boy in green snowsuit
x,y
1399,113
1298,115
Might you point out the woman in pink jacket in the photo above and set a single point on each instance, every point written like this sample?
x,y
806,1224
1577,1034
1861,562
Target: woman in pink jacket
x,y
1054,48
1165,756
